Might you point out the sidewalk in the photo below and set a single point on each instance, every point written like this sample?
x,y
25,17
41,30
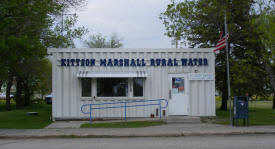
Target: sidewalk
x,y
168,130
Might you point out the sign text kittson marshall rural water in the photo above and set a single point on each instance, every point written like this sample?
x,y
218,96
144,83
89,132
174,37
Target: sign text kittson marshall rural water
x,y
135,62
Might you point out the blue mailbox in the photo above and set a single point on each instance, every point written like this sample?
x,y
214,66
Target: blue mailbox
x,y
240,109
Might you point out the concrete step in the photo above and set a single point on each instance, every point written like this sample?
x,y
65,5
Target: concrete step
x,y
182,120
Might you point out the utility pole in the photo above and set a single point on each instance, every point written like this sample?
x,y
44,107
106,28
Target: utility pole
x,y
227,67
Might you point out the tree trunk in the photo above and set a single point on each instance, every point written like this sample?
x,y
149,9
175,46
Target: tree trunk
x,y
271,75
1,83
273,106
27,93
27,100
9,84
18,96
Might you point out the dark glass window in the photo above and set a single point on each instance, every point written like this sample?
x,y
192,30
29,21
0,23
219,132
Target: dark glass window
x,y
112,87
138,87
86,86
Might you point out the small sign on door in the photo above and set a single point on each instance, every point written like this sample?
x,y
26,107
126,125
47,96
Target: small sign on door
x,y
177,80
181,88
177,85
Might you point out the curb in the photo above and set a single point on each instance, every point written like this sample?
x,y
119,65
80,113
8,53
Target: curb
x,y
132,135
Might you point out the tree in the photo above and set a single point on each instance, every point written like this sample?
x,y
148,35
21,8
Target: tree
x,y
99,41
198,22
115,41
27,28
264,26
63,33
23,22
44,79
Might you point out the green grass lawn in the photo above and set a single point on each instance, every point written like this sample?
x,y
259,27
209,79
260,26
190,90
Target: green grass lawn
x,y
17,118
131,124
260,113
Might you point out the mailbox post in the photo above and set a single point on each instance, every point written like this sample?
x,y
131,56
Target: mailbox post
x,y
240,110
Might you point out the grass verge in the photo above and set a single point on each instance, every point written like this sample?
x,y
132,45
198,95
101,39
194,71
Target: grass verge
x,y
132,124
18,119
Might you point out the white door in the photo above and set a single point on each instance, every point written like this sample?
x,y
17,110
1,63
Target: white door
x,y
178,94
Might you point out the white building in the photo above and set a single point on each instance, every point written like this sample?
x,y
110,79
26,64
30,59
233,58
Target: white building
x,y
184,77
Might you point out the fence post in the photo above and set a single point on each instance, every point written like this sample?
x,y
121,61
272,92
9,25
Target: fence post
x,y
90,113
159,109
125,110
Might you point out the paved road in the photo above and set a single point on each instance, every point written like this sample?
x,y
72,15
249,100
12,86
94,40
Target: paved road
x,y
211,142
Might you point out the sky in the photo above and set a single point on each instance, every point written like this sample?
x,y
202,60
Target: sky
x,y
135,21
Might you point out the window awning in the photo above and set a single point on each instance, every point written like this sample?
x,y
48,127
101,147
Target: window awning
x,y
112,74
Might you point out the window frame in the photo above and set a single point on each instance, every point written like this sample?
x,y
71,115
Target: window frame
x,y
81,82
113,96
130,91
143,86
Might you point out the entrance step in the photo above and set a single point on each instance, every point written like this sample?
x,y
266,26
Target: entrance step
x,y
183,120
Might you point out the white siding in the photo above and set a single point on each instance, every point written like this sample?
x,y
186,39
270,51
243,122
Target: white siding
x,y
67,99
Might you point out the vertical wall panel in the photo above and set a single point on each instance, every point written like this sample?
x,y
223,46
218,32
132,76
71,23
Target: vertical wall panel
x,y
59,89
66,89
54,85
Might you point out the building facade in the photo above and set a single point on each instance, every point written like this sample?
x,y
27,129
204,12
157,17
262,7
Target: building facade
x,y
184,77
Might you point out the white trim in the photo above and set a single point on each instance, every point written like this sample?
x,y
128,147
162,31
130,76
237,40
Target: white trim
x,y
112,50
111,74
112,98
116,98
94,87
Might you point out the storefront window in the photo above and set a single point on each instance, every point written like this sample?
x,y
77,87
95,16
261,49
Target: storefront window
x,y
86,87
138,87
112,87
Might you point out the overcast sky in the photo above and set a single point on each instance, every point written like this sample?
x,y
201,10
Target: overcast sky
x,y
136,21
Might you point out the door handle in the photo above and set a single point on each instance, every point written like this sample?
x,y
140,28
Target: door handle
x,y
170,94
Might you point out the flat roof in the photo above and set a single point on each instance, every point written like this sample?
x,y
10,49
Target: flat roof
x,y
110,50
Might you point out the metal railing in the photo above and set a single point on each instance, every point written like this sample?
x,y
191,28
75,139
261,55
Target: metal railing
x,y
125,105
